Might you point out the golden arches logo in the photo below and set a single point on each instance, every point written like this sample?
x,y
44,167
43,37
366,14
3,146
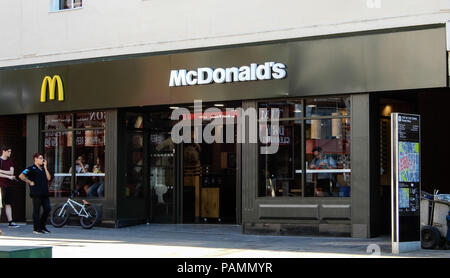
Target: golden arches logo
x,y
51,83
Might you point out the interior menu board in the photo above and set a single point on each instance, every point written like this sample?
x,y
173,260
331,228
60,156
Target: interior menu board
x,y
405,177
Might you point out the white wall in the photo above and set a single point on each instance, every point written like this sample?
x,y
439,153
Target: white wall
x,y
30,34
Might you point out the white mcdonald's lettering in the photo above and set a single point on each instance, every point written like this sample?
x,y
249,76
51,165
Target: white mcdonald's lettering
x,y
202,76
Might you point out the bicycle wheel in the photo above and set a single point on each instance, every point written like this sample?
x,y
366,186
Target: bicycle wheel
x,y
93,217
59,216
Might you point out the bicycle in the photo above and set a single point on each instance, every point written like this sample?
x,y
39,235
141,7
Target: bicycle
x,y
89,214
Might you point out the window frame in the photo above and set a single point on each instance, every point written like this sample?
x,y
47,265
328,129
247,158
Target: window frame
x,y
53,3
73,129
302,121
130,132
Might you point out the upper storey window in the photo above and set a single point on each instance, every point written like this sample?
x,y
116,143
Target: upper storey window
x,y
58,5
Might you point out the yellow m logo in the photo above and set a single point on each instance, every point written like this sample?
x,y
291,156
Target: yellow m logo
x,y
51,83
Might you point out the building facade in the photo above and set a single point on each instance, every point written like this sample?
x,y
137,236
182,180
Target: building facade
x,y
99,107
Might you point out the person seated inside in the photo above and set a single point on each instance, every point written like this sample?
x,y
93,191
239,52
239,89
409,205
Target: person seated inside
x,y
81,167
324,180
97,189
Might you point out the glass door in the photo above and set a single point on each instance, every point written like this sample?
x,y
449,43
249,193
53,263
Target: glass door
x,y
161,158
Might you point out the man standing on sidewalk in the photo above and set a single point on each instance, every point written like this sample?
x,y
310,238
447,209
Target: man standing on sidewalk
x,y
37,177
6,178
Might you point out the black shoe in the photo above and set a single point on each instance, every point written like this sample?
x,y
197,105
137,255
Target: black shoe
x,y
45,230
38,232
13,225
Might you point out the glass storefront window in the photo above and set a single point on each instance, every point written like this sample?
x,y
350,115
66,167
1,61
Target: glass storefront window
x,y
162,172
313,159
280,175
134,121
88,163
57,152
328,158
134,184
287,109
134,166
329,107
160,118
90,119
58,121
137,141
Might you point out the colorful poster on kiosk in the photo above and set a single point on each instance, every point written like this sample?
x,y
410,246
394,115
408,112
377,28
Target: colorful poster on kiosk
x,y
405,182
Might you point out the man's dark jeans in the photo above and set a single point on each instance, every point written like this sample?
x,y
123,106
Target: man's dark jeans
x,y
38,220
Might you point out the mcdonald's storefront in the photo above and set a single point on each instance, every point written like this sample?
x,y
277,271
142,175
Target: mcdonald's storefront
x,y
105,128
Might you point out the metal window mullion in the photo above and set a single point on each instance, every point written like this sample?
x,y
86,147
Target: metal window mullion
x,y
327,117
266,165
303,151
72,182
283,119
72,129
293,157
306,118
146,164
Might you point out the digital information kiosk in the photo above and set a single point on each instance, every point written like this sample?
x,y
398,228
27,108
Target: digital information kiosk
x,y
406,178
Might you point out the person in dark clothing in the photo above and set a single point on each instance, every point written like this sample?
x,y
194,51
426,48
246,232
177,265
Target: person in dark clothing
x,y
37,177
6,178
448,230
324,180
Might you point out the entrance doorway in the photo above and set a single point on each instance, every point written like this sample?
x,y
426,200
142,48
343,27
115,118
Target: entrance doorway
x,y
162,175
209,183
431,105
189,182
210,171
395,103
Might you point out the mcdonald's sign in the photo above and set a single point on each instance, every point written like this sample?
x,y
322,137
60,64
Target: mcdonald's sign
x,y
51,84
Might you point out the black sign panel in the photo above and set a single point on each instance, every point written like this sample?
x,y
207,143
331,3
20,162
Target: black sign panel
x,y
408,128
133,81
406,177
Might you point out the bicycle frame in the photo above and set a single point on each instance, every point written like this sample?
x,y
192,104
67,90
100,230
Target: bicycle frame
x,y
81,212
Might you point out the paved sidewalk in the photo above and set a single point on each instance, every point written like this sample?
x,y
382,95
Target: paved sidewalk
x,y
194,241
